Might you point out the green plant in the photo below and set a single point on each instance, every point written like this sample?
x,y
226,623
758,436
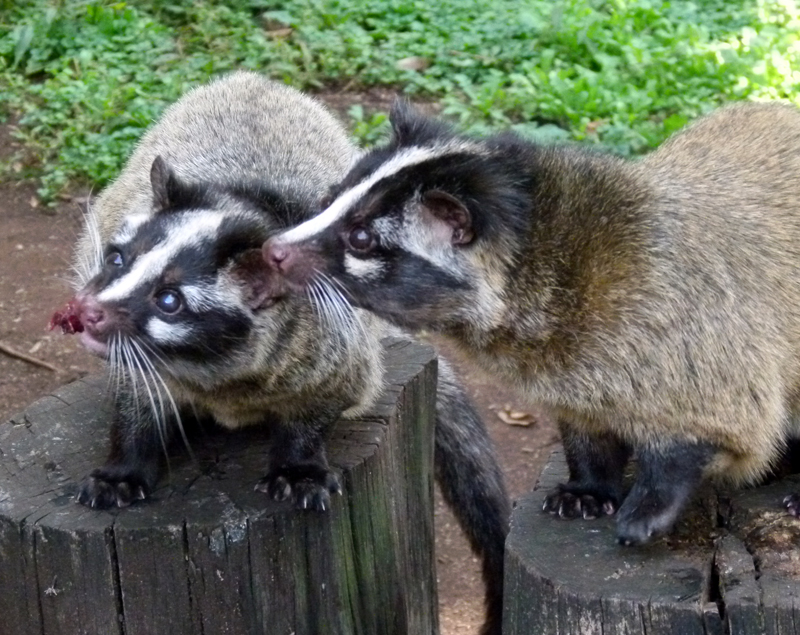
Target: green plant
x,y
85,82
83,79
368,130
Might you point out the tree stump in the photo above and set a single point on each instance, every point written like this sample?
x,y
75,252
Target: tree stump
x,y
731,566
207,554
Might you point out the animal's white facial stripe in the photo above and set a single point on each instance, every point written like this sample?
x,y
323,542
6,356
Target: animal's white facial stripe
x,y
206,297
147,268
387,228
166,333
129,227
346,200
359,268
427,238
192,230
196,296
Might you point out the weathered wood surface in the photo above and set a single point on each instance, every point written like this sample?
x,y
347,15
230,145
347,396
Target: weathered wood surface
x,y
208,554
732,567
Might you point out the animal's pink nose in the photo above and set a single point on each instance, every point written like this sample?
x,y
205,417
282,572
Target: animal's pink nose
x,y
278,256
93,316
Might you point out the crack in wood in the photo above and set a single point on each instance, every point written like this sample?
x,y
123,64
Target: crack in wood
x,y
195,608
39,591
115,578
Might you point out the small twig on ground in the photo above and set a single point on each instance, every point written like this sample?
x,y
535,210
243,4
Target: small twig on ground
x,y
4,348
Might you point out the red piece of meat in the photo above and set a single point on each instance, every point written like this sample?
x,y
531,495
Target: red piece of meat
x,y
68,319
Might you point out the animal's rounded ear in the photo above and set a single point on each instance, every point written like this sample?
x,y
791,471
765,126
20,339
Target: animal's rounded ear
x,y
160,176
410,127
451,211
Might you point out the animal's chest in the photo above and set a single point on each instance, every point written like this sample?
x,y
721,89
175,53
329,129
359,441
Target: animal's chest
x,y
237,405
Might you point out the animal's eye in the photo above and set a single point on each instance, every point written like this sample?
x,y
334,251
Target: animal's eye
x,y
168,301
114,259
361,239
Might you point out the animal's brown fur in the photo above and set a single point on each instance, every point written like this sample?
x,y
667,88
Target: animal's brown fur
x,y
654,305
661,298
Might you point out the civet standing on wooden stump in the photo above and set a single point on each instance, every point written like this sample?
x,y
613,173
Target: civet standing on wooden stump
x,y
653,305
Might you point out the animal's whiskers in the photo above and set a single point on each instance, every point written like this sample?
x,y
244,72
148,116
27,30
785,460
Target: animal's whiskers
x,y
349,320
343,291
144,349
135,370
113,367
336,316
320,307
89,262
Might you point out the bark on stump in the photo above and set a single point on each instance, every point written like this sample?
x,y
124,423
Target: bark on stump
x,y
732,566
208,554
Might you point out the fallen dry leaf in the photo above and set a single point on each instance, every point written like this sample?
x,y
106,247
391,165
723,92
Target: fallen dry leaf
x,y
592,126
414,63
515,417
279,33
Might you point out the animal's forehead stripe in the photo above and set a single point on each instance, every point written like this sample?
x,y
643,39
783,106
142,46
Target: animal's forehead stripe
x,y
149,266
129,228
348,198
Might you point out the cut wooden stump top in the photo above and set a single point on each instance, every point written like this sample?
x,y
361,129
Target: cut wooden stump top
x,y
732,566
209,554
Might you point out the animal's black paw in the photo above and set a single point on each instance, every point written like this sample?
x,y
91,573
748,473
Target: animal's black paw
x,y
105,488
309,485
572,501
646,514
792,504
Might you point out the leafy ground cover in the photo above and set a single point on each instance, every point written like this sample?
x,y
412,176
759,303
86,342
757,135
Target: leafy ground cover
x,y
86,78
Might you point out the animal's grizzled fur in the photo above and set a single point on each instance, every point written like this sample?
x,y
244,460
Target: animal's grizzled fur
x,y
226,166
654,305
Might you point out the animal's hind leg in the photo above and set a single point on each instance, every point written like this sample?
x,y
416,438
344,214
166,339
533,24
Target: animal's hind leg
x,y
791,460
596,466
667,476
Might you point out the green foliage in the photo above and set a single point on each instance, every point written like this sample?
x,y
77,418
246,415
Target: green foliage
x,y
86,78
368,130
87,81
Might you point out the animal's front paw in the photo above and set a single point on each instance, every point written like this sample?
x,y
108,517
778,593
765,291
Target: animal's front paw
x,y
309,485
792,504
105,488
573,501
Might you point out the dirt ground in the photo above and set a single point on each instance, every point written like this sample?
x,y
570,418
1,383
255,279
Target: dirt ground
x,y
35,250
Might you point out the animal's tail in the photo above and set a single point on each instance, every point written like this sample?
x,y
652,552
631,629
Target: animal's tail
x,y
472,484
